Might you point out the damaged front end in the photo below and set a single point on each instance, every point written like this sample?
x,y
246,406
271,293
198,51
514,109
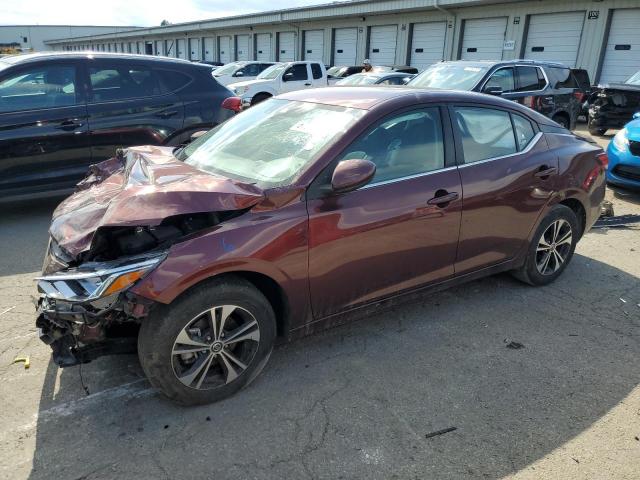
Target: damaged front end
x,y
612,106
114,230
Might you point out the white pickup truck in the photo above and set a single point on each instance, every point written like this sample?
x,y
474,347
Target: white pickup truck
x,y
280,78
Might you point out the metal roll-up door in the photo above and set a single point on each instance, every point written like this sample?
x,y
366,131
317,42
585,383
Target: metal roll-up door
x,y
286,47
160,47
195,51
382,44
263,47
427,44
209,52
313,45
554,37
242,47
483,38
622,53
181,46
345,42
224,46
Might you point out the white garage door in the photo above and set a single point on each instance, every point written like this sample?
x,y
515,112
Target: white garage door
x,y
345,43
286,47
427,44
159,47
209,49
195,52
263,47
622,54
483,38
314,45
140,48
224,46
182,48
382,45
554,37
242,47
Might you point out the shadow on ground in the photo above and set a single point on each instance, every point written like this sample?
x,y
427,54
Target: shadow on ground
x,y
357,401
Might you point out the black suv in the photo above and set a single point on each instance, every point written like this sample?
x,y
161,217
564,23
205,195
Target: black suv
x,y
546,87
60,113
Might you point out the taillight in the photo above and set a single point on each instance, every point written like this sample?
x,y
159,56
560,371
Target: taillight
x,y
603,160
232,103
580,96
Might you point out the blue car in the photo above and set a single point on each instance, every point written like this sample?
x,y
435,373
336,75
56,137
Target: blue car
x,y
624,156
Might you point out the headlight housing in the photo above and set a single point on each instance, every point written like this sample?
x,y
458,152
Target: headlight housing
x,y
621,140
93,281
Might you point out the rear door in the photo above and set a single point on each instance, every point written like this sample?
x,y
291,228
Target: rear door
x,y
44,141
507,177
129,104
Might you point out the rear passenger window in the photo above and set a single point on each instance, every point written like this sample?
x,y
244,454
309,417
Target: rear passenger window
x,y
316,71
530,79
524,131
405,144
122,82
485,133
39,87
172,81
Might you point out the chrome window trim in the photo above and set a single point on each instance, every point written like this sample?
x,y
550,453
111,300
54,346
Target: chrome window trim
x,y
534,141
544,74
408,177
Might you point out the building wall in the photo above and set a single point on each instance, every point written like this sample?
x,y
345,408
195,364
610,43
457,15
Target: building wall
x,y
402,13
33,37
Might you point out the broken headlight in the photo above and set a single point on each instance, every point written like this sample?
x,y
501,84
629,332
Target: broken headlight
x,y
96,280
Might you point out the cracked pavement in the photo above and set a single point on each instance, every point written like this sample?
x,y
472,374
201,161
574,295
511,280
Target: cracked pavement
x,y
356,402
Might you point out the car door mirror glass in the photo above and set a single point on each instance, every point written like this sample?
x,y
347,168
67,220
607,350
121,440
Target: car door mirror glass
x,y
493,90
287,77
352,174
239,73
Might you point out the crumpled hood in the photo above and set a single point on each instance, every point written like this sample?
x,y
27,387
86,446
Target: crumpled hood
x,y
619,86
142,187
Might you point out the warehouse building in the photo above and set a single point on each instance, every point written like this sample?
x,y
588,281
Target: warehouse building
x,y
601,36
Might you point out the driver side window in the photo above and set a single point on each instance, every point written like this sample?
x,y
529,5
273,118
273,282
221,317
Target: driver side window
x,y
502,78
298,72
402,145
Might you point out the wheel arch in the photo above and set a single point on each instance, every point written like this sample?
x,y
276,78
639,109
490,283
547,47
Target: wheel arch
x,y
578,208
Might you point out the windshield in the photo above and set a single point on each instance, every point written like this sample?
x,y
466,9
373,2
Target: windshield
x,y
227,69
452,76
272,72
359,79
270,143
634,79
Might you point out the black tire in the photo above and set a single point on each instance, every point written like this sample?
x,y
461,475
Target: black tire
x,y
562,120
259,97
530,272
597,132
158,337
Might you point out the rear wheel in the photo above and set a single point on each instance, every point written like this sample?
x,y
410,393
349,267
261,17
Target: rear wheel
x,y
598,131
209,343
259,97
552,247
562,120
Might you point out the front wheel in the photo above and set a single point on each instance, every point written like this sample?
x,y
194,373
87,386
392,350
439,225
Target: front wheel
x,y
552,247
209,343
597,131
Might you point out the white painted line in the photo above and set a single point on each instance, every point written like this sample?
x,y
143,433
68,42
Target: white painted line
x,y
7,310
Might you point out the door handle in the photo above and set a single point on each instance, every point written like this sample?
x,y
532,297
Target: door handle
x,y
443,198
168,114
545,172
69,125
307,84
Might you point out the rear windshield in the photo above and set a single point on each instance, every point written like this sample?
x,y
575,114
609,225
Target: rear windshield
x,y
634,79
453,76
227,69
359,79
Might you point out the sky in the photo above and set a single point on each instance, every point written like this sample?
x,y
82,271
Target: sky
x,y
144,13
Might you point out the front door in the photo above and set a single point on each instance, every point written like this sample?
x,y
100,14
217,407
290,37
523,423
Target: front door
x,y
392,234
43,128
507,178
296,77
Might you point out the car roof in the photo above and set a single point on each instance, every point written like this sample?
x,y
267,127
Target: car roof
x,y
33,57
490,63
369,97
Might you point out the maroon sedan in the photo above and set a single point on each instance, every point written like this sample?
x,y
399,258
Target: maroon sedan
x,y
300,213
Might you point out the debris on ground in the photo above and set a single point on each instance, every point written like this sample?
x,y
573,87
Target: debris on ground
x,y
513,345
440,432
606,209
621,221
24,360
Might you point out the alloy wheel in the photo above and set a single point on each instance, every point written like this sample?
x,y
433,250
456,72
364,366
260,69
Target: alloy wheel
x,y
554,247
215,347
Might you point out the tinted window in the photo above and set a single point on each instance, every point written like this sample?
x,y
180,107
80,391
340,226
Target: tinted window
x,y
39,87
582,78
403,145
524,131
172,80
298,71
264,66
316,71
122,82
251,70
394,81
530,79
485,133
561,78
502,78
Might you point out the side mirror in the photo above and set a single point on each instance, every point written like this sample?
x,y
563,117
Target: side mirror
x,y
287,77
239,73
352,174
636,115
492,90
